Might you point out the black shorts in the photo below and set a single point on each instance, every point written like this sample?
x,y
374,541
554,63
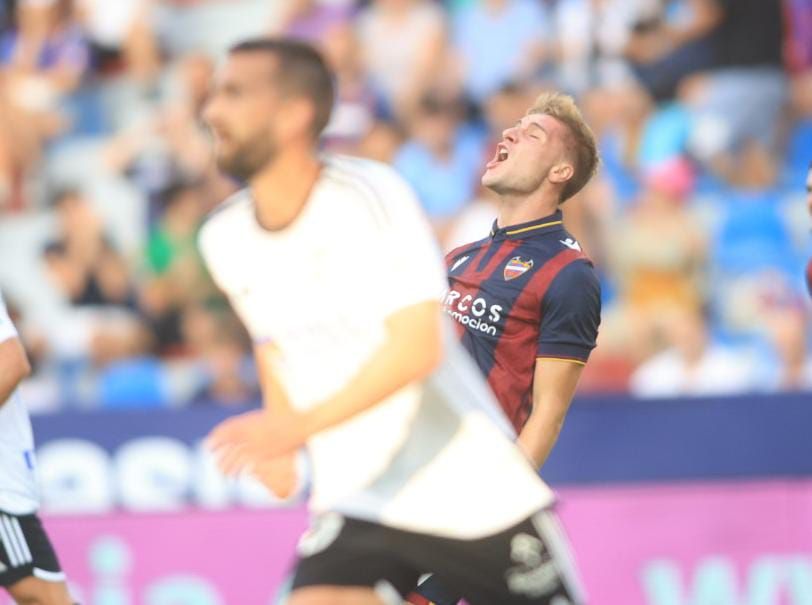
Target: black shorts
x,y
25,550
528,564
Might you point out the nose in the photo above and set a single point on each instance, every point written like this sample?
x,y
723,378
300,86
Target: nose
x,y
210,110
509,134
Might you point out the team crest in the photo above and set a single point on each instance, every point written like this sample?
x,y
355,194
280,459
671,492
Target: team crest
x,y
517,267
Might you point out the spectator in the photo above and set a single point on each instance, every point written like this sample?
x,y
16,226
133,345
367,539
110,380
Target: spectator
x,y
692,365
44,58
737,105
442,160
498,42
120,34
402,45
176,277
354,112
230,376
171,144
658,256
311,20
82,260
788,331
666,47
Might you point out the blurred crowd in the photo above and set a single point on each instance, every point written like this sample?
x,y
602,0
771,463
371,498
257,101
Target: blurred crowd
x,y
696,221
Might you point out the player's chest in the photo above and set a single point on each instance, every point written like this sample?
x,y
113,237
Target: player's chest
x,y
500,292
278,286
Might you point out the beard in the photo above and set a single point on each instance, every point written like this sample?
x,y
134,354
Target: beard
x,y
248,158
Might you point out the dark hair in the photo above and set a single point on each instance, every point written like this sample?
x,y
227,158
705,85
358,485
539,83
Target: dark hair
x,y
302,72
63,194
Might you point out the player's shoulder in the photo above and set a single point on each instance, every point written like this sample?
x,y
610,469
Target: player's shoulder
x,y
223,214
364,176
578,278
370,187
454,254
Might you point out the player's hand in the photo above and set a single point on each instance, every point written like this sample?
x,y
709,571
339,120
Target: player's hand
x,y
279,475
248,440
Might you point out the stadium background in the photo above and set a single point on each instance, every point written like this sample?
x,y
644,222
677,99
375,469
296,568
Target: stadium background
x,y
685,465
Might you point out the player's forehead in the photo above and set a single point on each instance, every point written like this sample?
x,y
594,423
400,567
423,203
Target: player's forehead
x,y
247,67
544,121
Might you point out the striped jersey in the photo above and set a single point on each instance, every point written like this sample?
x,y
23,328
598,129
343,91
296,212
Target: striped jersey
x,y
319,293
523,293
18,488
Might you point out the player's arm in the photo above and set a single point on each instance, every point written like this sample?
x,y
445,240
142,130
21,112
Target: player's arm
x,y
568,332
14,367
411,351
553,388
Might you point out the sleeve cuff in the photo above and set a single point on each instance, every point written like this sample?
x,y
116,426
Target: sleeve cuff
x,y
577,353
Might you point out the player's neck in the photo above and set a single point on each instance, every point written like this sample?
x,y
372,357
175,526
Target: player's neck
x,y
515,210
281,190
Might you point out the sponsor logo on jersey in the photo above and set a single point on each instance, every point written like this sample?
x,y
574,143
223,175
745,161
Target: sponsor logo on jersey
x,y
571,244
516,267
475,313
459,262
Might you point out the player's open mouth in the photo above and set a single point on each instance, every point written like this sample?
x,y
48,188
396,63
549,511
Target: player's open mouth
x,y
500,156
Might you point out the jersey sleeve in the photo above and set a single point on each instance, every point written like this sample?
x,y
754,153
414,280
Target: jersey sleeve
x,y
7,329
570,314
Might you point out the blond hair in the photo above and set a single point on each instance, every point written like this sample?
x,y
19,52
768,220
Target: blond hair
x,y
582,145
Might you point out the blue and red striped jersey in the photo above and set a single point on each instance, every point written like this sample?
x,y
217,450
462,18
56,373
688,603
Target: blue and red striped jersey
x,y
523,293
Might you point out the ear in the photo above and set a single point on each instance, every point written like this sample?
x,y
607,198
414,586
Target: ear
x,y
561,173
296,117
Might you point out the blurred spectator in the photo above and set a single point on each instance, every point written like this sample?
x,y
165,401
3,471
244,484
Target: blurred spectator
x,y
311,20
687,98
176,277
658,253
692,365
381,143
673,43
442,160
354,111
120,34
500,41
792,367
44,57
230,375
799,148
799,42
172,145
82,262
172,252
402,46
737,105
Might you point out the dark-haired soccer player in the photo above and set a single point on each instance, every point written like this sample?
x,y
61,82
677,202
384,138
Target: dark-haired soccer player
x,y
333,269
526,300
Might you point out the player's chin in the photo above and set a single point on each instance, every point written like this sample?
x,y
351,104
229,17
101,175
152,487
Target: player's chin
x,y
489,179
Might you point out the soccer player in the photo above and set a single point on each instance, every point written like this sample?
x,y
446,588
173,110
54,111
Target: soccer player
x,y
333,270
526,300
29,569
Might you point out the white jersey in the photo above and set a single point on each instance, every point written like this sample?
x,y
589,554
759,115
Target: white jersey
x,y
18,490
435,457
